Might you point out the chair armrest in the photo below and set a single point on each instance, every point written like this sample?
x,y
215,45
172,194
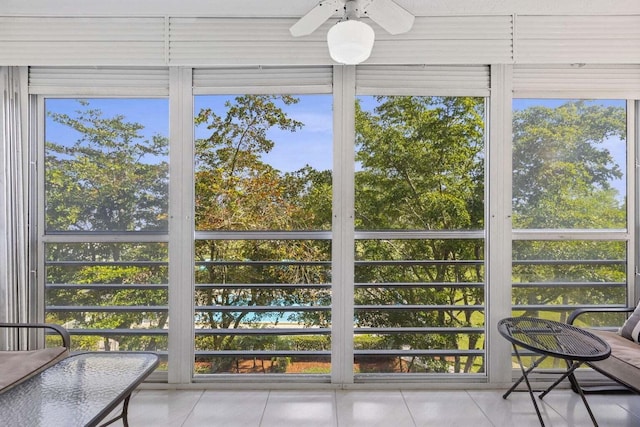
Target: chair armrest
x,y
66,338
574,315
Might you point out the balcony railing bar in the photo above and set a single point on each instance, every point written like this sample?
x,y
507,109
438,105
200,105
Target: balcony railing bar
x,y
263,286
573,234
263,353
419,234
419,262
264,331
328,285
431,352
416,307
377,307
327,331
106,237
118,332
260,308
357,353
420,285
262,263
277,331
358,262
328,263
568,284
109,286
560,307
107,308
241,309
427,330
265,308
569,262
106,263
263,235
327,235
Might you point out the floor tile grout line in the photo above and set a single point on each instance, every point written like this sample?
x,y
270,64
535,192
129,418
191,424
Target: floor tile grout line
x,y
336,418
629,411
406,405
186,418
475,402
550,404
264,410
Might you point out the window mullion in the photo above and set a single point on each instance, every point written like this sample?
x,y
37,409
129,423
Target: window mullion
x,y
181,226
343,225
499,222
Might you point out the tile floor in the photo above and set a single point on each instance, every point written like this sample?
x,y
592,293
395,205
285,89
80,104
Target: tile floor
x,y
359,408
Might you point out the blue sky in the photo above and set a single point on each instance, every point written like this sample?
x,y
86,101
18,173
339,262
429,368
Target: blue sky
x,y
312,145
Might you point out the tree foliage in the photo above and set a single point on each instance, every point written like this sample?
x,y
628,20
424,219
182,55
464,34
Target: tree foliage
x,y
421,162
420,167
112,178
237,190
563,174
561,171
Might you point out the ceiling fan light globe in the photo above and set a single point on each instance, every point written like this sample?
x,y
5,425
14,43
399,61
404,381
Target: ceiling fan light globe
x,y
350,42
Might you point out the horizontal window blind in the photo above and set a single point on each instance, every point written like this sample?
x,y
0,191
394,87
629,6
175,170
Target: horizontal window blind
x,y
262,80
426,80
577,39
229,42
99,81
447,40
494,38
584,81
82,41
236,42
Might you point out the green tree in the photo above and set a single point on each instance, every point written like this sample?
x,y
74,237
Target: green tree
x,y
236,190
422,168
110,179
561,171
101,182
562,174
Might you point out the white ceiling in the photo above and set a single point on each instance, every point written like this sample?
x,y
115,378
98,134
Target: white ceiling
x,y
295,8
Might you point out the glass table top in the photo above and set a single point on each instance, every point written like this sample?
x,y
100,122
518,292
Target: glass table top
x,y
77,391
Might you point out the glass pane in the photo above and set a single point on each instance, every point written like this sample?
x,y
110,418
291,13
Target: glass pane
x,y
418,311
106,163
553,278
569,164
419,303
420,163
263,306
263,162
111,296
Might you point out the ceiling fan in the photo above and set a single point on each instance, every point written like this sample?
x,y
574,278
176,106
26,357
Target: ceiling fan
x,y
351,40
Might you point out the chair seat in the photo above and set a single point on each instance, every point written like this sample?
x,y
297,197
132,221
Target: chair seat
x,y
624,363
18,366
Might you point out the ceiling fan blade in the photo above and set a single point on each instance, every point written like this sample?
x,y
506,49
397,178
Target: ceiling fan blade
x,y
389,15
316,17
